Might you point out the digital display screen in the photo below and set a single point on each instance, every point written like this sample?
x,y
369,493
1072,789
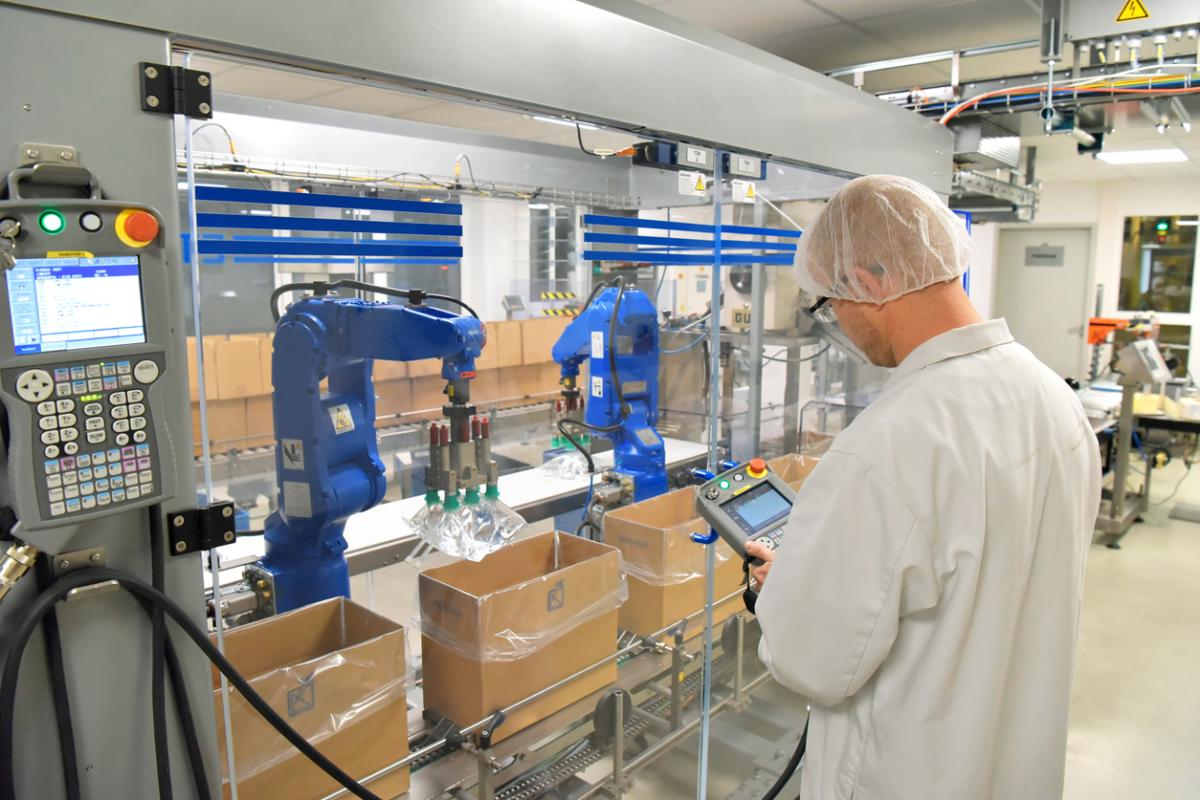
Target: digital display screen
x,y
758,508
69,303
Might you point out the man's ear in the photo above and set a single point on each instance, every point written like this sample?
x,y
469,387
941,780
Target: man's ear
x,y
870,278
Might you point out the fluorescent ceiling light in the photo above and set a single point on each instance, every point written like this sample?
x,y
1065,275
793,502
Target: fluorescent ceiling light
x,y
1188,222
1163,156
569,123
539,206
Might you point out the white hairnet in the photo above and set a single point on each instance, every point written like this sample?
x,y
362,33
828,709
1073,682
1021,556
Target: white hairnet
x,y
880,237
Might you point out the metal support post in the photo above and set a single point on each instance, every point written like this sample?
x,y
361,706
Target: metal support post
x,y
618,744
677,681
1124,445
486,789
738,676
791,398
758,293
714,324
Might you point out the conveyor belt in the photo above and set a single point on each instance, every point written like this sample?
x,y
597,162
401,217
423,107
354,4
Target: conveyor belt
x,y
585,753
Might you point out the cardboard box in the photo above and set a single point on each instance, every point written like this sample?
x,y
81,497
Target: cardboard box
x,y
538,337
226,424
529,615
237,364
518,384
485,389
666,569
503,348
389,370
210,376
392,398
793,468
425,368
266,350
260,421
428,395
335,671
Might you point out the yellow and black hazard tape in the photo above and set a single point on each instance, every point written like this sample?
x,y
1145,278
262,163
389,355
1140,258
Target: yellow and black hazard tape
x,y
560,312
558,295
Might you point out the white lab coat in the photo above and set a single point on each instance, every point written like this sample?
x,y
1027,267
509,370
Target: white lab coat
x,y
926,595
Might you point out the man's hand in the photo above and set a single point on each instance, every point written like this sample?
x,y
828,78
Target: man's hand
x,y
764,554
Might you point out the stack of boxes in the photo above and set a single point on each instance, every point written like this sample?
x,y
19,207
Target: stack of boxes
x,y
515,368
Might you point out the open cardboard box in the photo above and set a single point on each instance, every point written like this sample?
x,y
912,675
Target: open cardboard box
x,y
793,468
530,614
335,671
666,568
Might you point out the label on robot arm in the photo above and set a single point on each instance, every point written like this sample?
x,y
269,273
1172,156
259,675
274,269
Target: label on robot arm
x,y
297,499
597,387
342,419
293,454
597,344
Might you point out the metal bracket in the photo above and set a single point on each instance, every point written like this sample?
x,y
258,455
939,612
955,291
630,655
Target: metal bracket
x,y
40,153
262,583
175,90
63,563
196,529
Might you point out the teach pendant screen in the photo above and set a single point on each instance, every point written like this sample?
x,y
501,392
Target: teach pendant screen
x,y
60,304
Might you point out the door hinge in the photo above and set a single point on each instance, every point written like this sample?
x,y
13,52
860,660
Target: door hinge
x,y
175,90
201,528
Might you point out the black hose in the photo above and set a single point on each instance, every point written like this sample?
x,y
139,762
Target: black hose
x,y
562,428
622,412
46,601
792,765
183,706
407,294
187,721
58,687
158,651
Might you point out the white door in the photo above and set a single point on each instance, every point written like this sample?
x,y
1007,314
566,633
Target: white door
x,y
1042,290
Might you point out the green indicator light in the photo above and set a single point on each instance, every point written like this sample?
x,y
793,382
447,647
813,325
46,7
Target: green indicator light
x,y
724,484
52,222
1163,225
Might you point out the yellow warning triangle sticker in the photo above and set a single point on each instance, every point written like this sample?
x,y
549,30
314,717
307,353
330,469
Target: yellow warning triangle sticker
x,y
699,183
750,190
1133,10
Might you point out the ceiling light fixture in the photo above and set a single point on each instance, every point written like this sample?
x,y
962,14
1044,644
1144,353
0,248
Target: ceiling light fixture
x,y
1168,155
1188,223
570,123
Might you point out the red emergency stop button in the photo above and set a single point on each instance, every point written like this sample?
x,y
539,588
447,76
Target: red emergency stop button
x,y
136,228
756,468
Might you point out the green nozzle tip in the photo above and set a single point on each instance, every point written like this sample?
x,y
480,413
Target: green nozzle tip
x,y
451,503
472,496
432,498
492,492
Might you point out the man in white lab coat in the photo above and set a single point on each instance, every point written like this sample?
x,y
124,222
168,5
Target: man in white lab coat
x,y
926,596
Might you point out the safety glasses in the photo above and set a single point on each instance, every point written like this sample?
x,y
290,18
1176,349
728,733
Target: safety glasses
x,y
822,311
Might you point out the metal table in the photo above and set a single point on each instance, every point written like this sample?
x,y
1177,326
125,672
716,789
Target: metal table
x,y
381,536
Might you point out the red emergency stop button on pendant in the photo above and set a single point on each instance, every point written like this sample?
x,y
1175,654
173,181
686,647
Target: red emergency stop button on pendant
x,y
136,228
756,468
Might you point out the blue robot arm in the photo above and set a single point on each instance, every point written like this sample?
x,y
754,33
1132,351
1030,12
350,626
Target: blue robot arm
x,y
326,458
618,335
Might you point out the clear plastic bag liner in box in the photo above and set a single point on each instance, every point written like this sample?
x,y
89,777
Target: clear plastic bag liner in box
x,y
692,565
284,690
522,635
470,531
568,466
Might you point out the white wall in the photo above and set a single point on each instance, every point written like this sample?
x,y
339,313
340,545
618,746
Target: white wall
x,y
1103,207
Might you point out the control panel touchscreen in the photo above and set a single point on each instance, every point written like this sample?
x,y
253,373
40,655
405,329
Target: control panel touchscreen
x,y
72,303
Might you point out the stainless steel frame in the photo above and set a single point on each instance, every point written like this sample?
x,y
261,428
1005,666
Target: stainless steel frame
x,y
535,56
